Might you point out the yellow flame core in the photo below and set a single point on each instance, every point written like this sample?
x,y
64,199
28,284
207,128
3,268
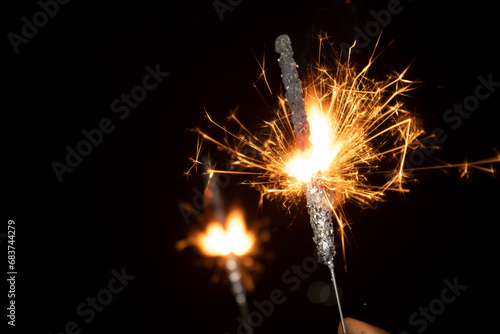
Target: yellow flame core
x,y
234,239
321,153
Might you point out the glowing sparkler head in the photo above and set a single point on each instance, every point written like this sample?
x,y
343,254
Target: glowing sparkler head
x,y
321,152
358,130
356,142
234,239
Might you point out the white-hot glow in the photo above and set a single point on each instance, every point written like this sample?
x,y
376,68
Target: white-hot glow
x,y
319,155
234,239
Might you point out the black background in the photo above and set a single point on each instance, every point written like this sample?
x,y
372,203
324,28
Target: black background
x,y
119,207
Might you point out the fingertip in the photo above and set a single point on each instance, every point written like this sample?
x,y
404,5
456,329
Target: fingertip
x,y
354,326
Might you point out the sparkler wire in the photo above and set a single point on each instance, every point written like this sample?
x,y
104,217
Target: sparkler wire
x,y
319,209
236,282
213,196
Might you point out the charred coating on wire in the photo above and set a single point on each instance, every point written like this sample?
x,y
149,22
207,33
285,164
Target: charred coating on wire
x,y
293,88
321,221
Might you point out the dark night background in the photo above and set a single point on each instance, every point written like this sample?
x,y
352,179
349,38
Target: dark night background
x,y
119,207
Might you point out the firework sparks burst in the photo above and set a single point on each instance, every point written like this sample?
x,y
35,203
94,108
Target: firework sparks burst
x,y
359,134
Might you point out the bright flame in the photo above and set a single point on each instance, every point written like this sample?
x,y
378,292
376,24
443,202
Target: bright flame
x,y
359,131
234,239
320,155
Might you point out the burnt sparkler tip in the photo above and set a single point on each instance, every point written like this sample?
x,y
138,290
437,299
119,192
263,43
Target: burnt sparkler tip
x,y
283,44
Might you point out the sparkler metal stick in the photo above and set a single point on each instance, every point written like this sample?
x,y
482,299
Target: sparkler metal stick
x,y
237,287
317,200
233,269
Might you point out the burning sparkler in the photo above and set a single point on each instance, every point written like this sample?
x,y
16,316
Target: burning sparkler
x,y
358,130
309,171
346,139
231,242
227,243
